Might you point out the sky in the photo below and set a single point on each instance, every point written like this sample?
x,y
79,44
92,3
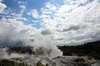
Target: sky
x,y
64,22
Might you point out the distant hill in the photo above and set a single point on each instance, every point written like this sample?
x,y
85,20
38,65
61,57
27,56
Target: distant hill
x,y
22,50
91,49
12,44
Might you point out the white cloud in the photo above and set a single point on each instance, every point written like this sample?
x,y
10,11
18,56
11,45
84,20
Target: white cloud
x,y
22,2
12,15
22,5
75,2
23,8
34,13
2,7
77,24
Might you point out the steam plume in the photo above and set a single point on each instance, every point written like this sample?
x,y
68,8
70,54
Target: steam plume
x,y
19,34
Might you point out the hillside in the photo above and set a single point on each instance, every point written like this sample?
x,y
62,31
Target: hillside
x,y
91,49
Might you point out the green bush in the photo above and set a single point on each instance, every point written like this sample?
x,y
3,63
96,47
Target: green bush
x,y
39,63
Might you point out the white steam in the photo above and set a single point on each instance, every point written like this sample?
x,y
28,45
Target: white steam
x,y
3,53
18,34
46,46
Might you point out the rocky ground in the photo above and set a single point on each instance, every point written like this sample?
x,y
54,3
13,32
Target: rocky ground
x,y
62,61
59,61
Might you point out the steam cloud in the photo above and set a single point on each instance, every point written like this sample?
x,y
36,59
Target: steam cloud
x,y
19,34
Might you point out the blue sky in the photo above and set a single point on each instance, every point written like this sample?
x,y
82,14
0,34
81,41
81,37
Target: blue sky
x,y
31,4
36,4
69,20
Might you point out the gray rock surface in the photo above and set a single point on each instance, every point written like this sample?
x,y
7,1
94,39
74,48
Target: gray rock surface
x,y
69,61
59,61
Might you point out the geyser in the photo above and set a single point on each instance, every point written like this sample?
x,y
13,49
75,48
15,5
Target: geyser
x,y
14,34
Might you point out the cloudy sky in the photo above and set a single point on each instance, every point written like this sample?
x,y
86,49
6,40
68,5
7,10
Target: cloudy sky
x,y
65,22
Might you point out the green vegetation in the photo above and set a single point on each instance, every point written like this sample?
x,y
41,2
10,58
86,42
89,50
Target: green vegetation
x,y
39,63
6,62
91,50
28,50
22,50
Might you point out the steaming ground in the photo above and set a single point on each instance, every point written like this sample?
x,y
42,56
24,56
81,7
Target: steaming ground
x,y
34,59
